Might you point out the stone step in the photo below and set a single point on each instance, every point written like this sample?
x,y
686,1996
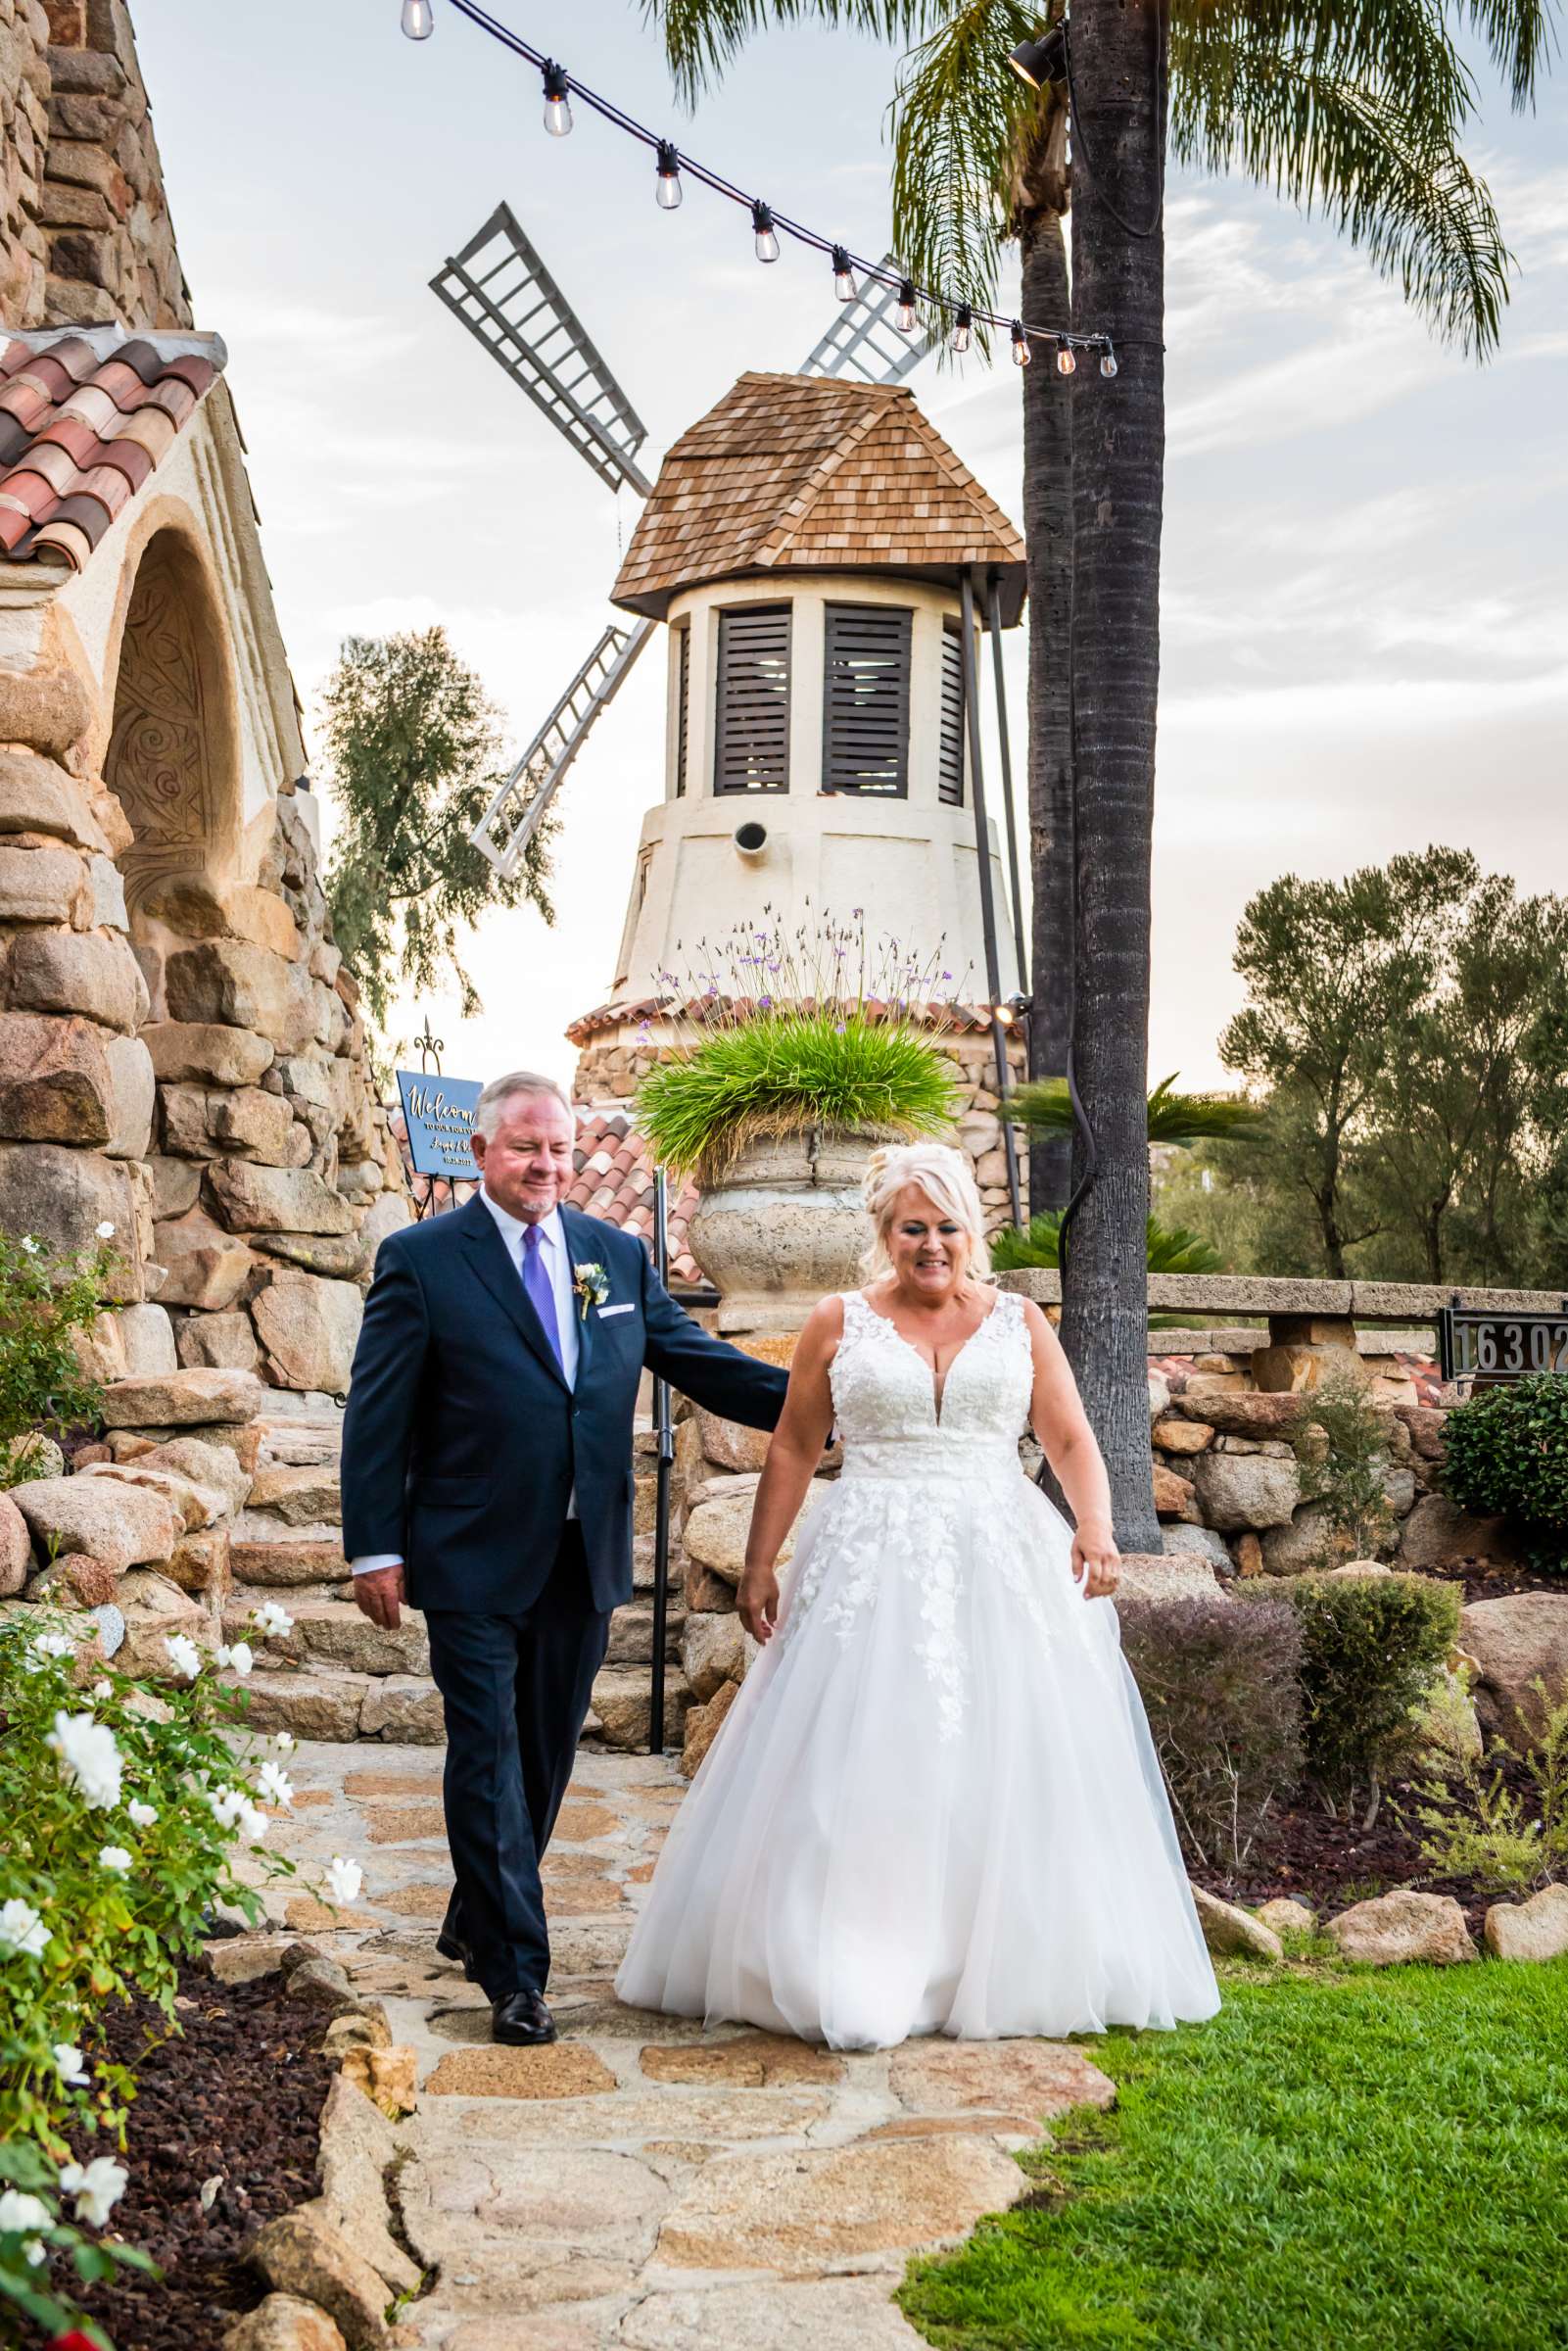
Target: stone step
x,y
632,1632
621,1715
297,1495
335,1633
300,1444
312,1704
283,1557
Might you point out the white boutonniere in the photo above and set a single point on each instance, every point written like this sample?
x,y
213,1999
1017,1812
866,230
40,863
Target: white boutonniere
x,y
591,1285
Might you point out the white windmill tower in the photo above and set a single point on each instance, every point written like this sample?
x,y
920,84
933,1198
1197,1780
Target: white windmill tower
x,y
819,558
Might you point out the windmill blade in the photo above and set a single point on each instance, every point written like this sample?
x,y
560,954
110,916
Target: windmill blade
x,y
509,301
509,823
863,340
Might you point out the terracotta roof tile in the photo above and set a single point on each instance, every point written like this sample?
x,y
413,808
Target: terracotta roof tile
x,y
808,473
85,418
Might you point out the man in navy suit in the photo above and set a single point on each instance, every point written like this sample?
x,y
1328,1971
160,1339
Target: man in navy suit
x,y
487,1479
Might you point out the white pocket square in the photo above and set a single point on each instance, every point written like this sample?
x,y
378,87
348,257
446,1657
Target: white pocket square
x,y
605,1311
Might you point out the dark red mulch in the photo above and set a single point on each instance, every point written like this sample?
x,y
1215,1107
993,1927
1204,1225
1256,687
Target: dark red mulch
x,y
239,2093
1484,1579
1331,1864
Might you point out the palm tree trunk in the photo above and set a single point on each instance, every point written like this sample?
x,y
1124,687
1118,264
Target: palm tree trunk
x,y
1119,469
1047,531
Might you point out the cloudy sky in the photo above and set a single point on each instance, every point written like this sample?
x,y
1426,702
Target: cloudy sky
x,y
1366,584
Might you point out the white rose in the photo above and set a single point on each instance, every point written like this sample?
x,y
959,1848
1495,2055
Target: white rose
x,y
238,1655
142,1815
97,2187
69,2064
22,1929
344,1879
284,1743
89,1758
184,1656
20,2212
275,1784
270,1620
115,1858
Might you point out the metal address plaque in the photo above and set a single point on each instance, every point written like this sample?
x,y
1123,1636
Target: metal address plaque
x,y
1486,1348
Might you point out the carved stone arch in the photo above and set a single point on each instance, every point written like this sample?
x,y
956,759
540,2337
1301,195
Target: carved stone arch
x,y
173,759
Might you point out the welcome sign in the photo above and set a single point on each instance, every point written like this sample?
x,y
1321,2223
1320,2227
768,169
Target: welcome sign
x,y
440,1115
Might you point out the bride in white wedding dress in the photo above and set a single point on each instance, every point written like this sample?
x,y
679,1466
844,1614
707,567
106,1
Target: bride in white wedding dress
x,y
934,1805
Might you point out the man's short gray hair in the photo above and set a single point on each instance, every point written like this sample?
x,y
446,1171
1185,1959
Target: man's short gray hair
x,y
502,1090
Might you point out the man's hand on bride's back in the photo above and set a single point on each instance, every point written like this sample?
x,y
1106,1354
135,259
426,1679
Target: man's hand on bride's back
x,y
380,1595
757,1602
1096,1562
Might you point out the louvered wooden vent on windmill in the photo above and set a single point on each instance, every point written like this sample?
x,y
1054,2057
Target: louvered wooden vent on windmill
x,y
864,718
751,745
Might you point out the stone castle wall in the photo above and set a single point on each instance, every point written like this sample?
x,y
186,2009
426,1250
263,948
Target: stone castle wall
x,y
85,234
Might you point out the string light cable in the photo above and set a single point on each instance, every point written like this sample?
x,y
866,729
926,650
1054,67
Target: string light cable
x,y
768,224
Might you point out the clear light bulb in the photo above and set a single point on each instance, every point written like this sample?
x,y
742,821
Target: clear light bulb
x,y
962,326
843,275
765,239
668,191
1022,353
1065,359
558,104
905,319
1108,363
418,19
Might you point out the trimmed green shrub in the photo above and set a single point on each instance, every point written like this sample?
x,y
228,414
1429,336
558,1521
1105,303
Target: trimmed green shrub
x,y
1220,1686
1370,1648
1506,1455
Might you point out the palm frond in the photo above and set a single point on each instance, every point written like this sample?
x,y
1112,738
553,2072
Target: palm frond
x,y
1392,39
703,36
1384,171
1171,1248
1044,1107
958,117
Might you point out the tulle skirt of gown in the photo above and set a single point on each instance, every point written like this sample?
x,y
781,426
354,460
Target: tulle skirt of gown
x,y
934,1805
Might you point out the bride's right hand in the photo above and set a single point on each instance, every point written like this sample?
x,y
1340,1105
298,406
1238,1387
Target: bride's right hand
x,y
757,1601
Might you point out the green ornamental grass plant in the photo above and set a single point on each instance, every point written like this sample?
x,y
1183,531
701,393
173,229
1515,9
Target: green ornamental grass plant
x,y
817,1031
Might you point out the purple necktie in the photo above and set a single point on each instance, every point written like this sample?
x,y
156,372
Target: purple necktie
x,y
537,1282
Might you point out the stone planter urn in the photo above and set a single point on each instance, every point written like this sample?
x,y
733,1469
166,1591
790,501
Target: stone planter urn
x,y
783,1226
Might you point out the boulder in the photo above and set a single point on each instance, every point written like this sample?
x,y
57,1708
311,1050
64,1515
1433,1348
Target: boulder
x,y
1513,1643
1245,1490
389,1212
1285,1915
251,1198
133,1089
1173,1435
1159,1397
702,1727
91,971
206,1463
225,981
195,1506
357,2151
1168,1575
309,1328
1174,1497
1199,1542
1230,1930
1438,1532
1238,1413
107,893
75,1581
56,1085
1424,1425
1307,1544
47,710
714,1649
38,796
1536,1929
119,1525
257,1126
15,1549
155,1609
219,1342
406,1709
210,1052
311,1706
64,1195
200,1563
203,1266
298,1496
715,1531
301,2253
147,1337
176,1186
284,2323
622,1703
337,1257
334,1632
39,885
294,1562
1394,1928
729,1445
182,1400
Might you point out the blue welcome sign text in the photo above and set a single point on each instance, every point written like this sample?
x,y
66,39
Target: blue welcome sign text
x,y
440,1114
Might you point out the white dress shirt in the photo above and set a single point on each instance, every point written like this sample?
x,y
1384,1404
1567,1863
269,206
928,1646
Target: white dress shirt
x,y
558,1264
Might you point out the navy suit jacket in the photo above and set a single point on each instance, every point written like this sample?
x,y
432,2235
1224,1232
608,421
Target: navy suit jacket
x,y
462,1442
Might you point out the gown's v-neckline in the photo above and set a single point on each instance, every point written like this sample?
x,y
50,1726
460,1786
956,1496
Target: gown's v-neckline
x,y
940,1380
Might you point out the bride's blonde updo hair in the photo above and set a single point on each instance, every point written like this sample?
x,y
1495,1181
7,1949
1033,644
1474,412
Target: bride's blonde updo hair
x,y
946,1179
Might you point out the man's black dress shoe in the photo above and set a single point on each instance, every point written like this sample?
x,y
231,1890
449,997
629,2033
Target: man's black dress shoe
x,y
521,2019
451,1946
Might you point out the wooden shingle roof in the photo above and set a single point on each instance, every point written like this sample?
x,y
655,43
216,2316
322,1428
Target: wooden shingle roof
x,y
810,473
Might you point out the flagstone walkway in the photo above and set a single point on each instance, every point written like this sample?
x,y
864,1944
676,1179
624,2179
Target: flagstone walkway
x,y
645,2183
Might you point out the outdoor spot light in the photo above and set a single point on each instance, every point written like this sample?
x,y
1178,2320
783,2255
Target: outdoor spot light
x,y
843,275
558,104
767,242
962,325
669,180
1043,61
906,320
418,19
1108,362
1065,358
1022,353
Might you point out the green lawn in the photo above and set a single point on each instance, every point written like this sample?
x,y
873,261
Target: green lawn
x,y
1373,2159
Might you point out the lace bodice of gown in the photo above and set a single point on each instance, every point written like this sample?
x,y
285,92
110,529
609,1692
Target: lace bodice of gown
x,y
885,1399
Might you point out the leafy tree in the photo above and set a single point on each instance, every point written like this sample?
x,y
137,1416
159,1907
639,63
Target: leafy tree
x,y
1352,107
415,751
